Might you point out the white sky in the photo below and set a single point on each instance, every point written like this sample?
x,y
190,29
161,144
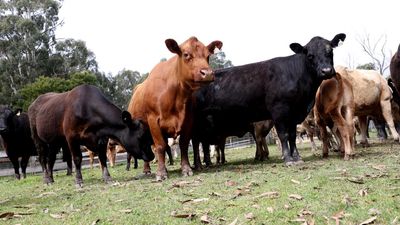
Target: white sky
x,y
130,34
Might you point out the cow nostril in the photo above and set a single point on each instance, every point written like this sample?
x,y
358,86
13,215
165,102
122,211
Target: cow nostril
x,y
327,70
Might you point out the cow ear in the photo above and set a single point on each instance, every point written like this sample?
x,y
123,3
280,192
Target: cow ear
x,y
173,46
336,39
215,44
297,48
18,111
398,51
126,117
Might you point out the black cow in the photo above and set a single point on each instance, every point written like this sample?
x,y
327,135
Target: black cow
x,y
282,89
83,116
17,141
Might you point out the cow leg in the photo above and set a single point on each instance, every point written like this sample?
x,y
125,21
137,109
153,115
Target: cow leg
x,y
221,146
262,152
24,164
363,129
128,161
283,135
292,142
135,161
14,161
387,114
67,158
102,153
184,145
196,154
76,154
169,153
51,161
43,151
344,133
159,149
217,150
206,153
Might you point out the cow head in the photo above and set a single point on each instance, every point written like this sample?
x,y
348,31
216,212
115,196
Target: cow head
x,y
6,115
137,140
319,54
193,60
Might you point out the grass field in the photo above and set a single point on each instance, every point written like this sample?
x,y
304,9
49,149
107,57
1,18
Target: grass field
x,y
320,191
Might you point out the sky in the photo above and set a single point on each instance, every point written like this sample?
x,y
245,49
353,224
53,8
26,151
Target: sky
x,y
126,34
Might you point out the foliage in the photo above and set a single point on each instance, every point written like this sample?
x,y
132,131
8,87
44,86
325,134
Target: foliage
x,y
29,49
367,66
321,191
123,84
219,61
44,85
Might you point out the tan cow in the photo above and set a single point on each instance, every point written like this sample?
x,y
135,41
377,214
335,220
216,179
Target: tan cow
x,y
372,96
334,107
163,100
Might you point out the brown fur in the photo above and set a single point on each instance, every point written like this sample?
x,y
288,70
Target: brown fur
x,y
163,100
372,97
334,105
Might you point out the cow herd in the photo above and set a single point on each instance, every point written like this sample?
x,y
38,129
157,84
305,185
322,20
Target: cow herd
x,y
184,97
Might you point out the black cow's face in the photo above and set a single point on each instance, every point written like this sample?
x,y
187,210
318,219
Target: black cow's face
x,y
319,54
5,116
137,140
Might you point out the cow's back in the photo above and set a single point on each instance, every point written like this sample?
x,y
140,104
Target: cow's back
x,y
46,114
369,87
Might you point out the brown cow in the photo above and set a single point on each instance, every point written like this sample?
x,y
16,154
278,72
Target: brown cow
x,y
372,97
334,106
163,100
82,116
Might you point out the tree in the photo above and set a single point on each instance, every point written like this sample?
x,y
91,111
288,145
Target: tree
x,y
29,49
219,61
376,50
27,34
44,85
124,82
71,56
367,66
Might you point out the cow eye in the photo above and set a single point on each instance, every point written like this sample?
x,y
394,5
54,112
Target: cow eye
x,y
186,56
310,57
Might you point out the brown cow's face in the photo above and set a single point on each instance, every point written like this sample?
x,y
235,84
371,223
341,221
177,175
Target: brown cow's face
x,y
193,57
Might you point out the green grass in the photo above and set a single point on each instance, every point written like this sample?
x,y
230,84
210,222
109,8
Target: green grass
x,y
225,194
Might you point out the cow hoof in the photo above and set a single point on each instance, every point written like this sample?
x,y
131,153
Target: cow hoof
x,y
161,177
299,162
143,176
290,163
187,171
17,176
107,179
79,185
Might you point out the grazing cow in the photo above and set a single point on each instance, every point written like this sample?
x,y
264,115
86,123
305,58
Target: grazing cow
x,y
282,89
334,106
17,141
163,100
372,97
83,116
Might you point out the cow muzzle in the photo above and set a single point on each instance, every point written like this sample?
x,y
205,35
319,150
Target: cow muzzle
x,y
327,72
205,75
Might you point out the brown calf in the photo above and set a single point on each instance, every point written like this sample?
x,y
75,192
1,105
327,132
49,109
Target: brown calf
x,y
334,107
163,100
